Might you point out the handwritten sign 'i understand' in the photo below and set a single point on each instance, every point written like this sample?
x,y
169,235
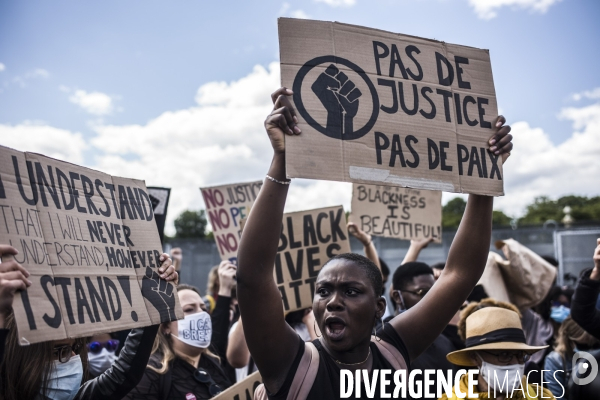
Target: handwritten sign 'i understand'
x,y
90,243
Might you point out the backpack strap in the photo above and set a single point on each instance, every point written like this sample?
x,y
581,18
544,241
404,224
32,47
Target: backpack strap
x,y
303,378
390,353
305,374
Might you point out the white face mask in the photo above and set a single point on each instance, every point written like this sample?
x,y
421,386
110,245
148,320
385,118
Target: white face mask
x,y
498,376
195,330
98,363
65,379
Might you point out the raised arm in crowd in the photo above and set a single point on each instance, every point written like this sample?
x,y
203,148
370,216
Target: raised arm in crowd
x,y
347,300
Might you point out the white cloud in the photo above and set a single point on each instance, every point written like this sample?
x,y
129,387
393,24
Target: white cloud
x,y
44,139
2,67
299,14
221,140
338,3
96,103
588,94
487,9
38,73
285,11
539,167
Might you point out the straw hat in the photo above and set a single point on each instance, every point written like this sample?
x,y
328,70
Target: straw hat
x,y
492,328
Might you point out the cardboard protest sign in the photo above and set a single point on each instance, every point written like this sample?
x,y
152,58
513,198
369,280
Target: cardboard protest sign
x,y
308,239
89,241
527,276
243,390
492,279
396,212
226,205
378,107
159,197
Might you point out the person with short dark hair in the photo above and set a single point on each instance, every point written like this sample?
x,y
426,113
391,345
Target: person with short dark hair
x,y
411,282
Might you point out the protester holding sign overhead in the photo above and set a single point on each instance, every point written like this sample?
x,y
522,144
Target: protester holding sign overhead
x,y
55,369
347,301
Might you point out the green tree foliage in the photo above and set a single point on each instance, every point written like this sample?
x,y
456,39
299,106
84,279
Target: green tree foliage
x,y
453,211
191,224
544,209
500,219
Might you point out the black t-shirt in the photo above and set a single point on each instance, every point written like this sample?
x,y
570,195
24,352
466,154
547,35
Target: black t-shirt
x,y
182,380
434,358
327,381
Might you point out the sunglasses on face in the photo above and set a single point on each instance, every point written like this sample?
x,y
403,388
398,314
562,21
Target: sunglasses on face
x,y
507,356
65,352
110,345
204,377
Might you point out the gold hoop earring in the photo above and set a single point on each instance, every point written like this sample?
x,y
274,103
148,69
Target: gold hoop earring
x,y
315,328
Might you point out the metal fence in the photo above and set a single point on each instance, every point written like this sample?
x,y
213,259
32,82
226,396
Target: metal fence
x,y
573,248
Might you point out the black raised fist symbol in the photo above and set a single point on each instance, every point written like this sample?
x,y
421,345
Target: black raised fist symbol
x,y
339,96
160,294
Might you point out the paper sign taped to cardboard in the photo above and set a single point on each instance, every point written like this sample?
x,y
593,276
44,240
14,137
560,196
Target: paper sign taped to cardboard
x,y
243,390
90,243
384,108
396,212
308,239
226,205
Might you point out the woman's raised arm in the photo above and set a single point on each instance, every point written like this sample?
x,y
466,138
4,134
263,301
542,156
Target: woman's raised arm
x,y
420,325
272,342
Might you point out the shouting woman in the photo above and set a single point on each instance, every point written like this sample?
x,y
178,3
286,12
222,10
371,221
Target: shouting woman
x,y
347,300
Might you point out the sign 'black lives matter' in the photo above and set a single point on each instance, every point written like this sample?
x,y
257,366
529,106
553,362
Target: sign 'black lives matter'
x,y
89,241
384,108
308,239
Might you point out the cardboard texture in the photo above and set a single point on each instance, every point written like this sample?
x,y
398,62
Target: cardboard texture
x,y
379,107
523,279
308,239
492,279
395,212
226,205
527,275
91,245
243,390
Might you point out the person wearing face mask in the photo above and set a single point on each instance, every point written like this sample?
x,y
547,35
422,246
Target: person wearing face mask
x,y
182,365
495,344
101,354
55,369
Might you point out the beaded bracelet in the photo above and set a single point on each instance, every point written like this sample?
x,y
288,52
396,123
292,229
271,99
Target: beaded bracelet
x,y
276,181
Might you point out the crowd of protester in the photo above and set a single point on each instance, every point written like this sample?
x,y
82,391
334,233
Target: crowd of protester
x,y
439,318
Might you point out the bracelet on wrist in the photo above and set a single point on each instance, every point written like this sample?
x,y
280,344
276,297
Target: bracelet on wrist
x,y
278,181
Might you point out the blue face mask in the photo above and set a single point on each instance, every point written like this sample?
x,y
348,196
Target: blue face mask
x,y
64,380
560,313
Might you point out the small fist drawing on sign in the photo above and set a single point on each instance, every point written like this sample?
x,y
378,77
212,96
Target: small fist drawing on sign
x,y
159,293
339,96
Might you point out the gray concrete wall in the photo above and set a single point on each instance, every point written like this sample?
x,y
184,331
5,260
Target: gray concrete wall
x,y
199,256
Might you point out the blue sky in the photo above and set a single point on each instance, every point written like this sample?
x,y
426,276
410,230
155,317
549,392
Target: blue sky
x,y
125,85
